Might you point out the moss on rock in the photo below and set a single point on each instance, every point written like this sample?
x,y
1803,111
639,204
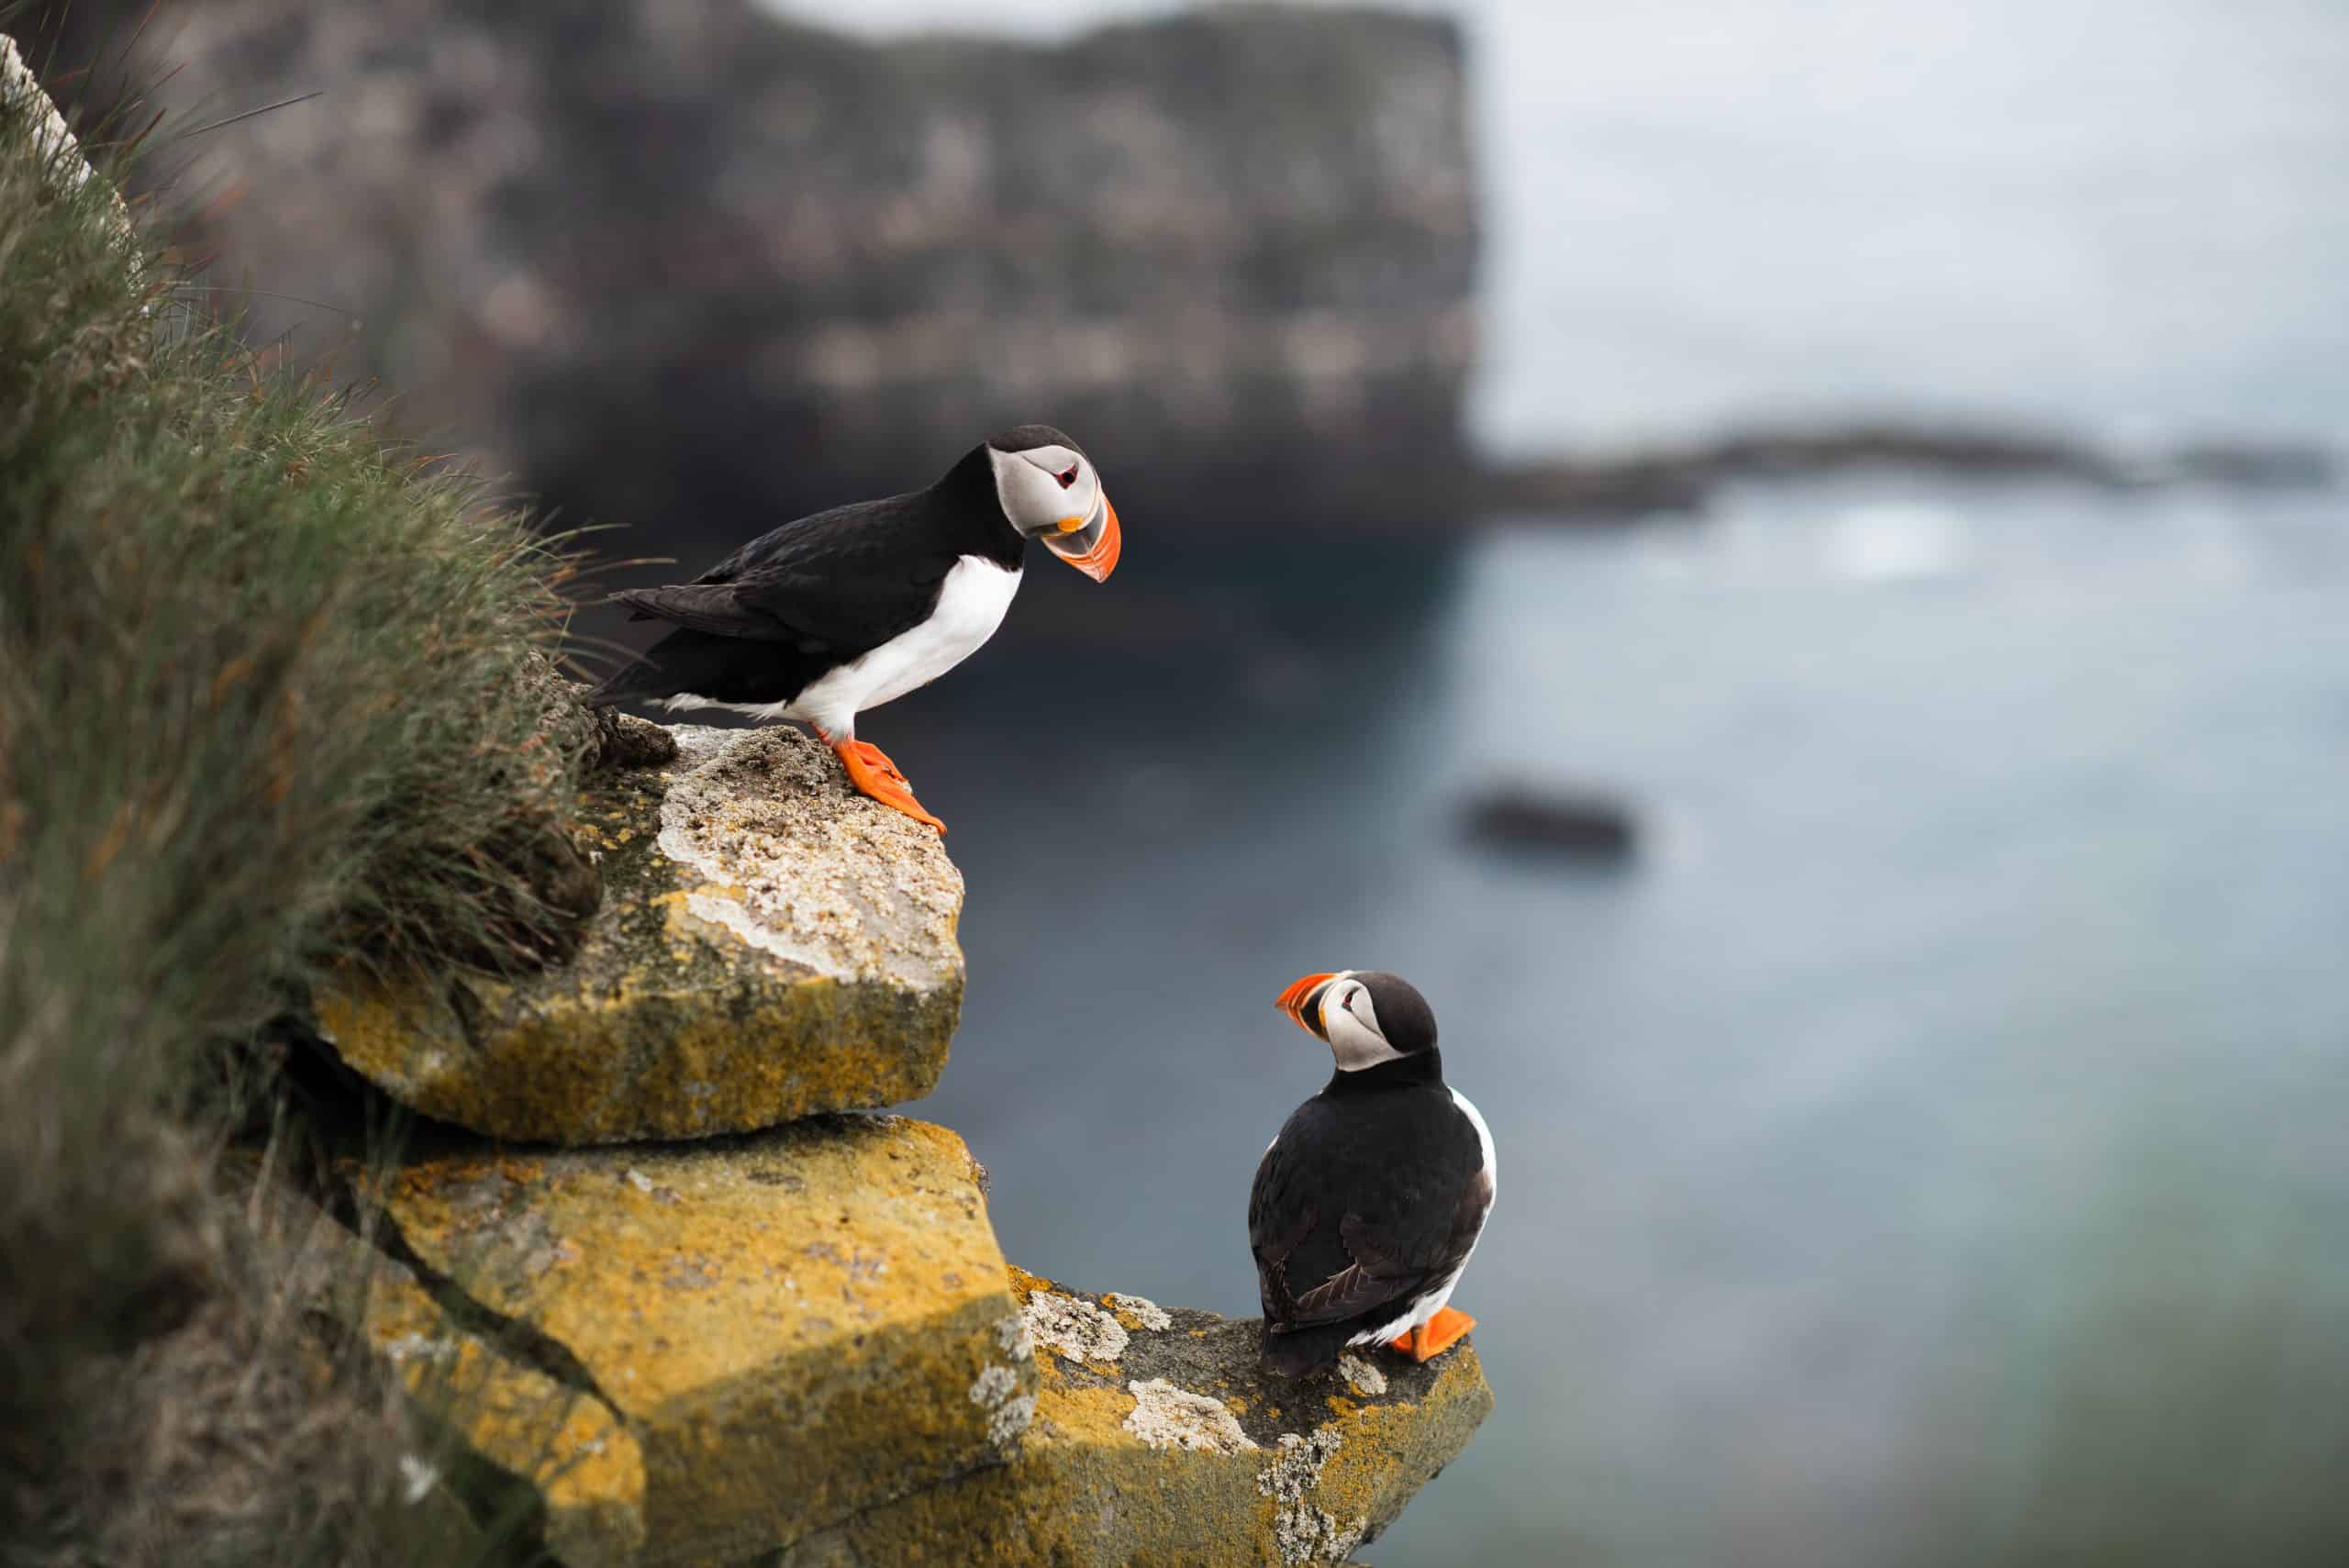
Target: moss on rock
x,y
1170,1448
771,945
794,1326
567,1444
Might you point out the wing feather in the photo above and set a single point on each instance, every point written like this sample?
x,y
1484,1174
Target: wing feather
x,y
710,608
849,579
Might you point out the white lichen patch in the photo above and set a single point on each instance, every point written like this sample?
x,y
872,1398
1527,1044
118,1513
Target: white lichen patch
x,y
1011,1334
995,1384
1009,1411
793,865
1308,1534
1147,1312
1297,1466
1302,1530
1076,1330
1166,1416
1364,1377
1010,1419
417,1479
428,1347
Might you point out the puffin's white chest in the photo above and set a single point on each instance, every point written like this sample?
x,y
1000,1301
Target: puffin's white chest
x,y
971,605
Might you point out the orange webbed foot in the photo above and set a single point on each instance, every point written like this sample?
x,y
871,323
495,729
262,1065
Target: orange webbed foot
x,y
873,774
1437,1335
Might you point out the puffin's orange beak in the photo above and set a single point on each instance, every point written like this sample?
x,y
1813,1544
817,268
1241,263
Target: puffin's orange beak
x,y
1293,1000
1092,550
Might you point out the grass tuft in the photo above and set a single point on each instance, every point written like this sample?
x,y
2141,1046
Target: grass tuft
x,y
272,698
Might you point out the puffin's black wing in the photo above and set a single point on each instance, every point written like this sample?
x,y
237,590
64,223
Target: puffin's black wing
x,y
1343,1226
811,612
849,579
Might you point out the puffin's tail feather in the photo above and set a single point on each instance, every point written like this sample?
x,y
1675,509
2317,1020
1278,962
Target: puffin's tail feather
x,y
636,680
1301,1350
681,661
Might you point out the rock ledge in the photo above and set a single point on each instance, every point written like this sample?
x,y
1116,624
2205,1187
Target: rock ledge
x,y
783,1329
771,945
1155,1441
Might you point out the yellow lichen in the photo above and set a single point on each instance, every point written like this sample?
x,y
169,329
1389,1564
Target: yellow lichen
x,y
723,987
1102,1480
793,1325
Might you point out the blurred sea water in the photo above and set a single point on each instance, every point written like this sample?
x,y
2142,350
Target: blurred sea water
x,y
1927,1151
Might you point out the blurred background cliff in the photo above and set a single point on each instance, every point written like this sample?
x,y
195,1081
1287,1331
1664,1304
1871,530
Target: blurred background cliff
x,y
1781,560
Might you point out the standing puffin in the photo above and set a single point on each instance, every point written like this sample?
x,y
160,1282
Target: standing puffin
x,y
847,609
1369,1202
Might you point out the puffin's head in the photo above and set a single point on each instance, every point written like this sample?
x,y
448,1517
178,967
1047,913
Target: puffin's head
x,y
1367,1016
1050,491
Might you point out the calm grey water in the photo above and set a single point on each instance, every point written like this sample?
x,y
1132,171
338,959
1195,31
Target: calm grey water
x,y
1930,1150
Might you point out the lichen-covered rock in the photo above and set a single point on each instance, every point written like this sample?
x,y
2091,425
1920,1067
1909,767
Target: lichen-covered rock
x,y
771,945
486,1403
794,1326
566,1444
1155,1441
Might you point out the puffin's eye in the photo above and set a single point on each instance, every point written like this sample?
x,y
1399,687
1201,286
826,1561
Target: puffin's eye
x,y
1069,478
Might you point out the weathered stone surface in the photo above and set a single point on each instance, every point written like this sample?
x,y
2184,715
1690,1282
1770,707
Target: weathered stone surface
x,y
1156,1443
568,1444
63,161
771,945
794,1326
485,1402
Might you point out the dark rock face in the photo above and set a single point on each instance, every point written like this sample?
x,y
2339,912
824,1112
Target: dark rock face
x,y
683,262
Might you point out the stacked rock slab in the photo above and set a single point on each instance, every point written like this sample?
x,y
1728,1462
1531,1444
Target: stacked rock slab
x,y
495,1409
1156,1443
771,945
791,1326
717,1314
662,1272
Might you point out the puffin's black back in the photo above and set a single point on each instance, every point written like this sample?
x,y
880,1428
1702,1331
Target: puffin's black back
x,y
814,594
1370,1195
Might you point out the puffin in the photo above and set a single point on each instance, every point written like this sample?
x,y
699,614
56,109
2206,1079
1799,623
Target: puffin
x,y
1370,1199
846,610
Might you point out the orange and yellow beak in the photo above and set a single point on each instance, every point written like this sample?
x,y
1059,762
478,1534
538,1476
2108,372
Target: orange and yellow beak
x,y
1089,544
1302,999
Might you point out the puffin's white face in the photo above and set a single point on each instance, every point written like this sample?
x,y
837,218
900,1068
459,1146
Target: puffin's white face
x,y
1340,1008
1054,494
1350,1023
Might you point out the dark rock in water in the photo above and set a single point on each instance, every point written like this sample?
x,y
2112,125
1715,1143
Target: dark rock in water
x,y
1625,486
1588,828
2252,465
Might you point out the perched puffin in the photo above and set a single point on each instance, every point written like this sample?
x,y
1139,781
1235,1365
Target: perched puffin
x,y
1369,1202
847,609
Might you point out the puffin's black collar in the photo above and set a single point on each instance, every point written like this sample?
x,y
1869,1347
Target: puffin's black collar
x,y
1421,1067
